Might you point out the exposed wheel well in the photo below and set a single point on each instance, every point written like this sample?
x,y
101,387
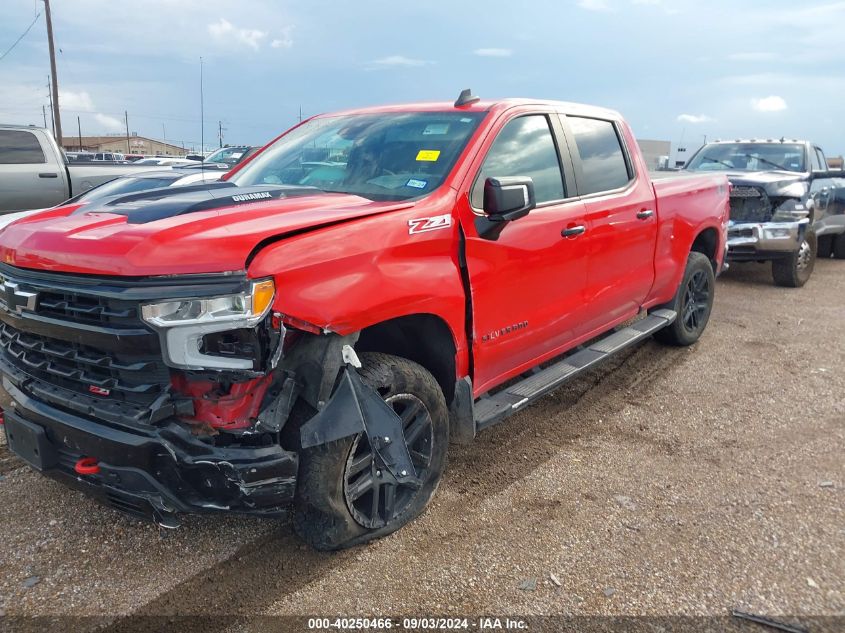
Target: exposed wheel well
x,y
706,243
422,338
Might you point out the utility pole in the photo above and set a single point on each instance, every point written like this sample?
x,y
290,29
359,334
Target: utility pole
x,y
44,114
163,133
220,132
79,131
57,118
300,114
202,115
50,96
126,120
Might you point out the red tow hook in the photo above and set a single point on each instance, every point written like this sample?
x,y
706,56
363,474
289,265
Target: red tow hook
x,y
87,466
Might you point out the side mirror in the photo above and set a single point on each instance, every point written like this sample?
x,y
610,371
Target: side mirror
x,y
829,173
507,199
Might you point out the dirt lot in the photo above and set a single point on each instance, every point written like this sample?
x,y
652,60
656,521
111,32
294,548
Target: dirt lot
x,y
669,481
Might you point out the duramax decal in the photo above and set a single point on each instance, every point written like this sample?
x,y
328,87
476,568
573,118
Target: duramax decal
x,y
492,336
421,225
261,195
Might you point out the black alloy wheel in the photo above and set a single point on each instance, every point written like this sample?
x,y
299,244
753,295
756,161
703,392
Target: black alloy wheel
x,y
696,302
375,498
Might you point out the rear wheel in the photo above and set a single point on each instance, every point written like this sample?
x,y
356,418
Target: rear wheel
x,y
693,303
795,270
343,498
839,246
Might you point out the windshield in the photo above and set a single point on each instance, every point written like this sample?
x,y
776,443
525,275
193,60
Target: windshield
x,y
389,156
748,157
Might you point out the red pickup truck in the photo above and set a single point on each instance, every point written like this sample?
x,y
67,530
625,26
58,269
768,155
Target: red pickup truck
x,y
312,332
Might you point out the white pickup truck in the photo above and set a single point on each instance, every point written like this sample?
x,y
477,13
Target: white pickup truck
x,y
34,172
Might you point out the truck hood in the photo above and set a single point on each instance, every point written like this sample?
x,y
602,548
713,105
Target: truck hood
x,y
776,184
763,178
163,232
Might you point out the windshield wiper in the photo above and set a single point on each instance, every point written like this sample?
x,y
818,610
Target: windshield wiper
x,y
716,160
768,162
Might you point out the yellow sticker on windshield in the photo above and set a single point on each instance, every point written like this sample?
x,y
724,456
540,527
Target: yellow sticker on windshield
x,y
430,155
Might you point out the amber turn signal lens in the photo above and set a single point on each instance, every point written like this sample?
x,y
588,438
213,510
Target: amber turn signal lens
x,y
262,296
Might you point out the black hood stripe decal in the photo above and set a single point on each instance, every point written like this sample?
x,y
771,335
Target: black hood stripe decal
x,y
158,204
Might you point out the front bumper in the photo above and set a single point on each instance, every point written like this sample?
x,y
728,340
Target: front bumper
x,y
764,240
152,472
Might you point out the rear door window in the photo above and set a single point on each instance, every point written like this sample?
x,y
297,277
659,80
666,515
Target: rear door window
x,y
19,147
603,162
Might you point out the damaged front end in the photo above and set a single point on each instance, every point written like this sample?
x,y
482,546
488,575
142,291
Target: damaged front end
x,y
158,396
766,220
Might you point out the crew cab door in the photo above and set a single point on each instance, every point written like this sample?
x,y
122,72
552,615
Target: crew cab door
x,y
622,218
27,179
527,283
827,195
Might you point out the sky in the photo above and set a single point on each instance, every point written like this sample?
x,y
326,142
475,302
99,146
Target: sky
x,y
679,70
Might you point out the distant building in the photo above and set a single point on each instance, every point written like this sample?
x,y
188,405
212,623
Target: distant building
x,y
835,162
656,153
136,145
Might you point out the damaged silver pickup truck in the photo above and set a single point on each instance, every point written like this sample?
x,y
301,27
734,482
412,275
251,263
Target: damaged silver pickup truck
x,y
787,207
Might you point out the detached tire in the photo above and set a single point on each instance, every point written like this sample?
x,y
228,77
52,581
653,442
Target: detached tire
x,y
341,499
693,303
839,246
794,271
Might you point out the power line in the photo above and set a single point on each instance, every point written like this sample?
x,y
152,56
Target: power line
x,y
31,24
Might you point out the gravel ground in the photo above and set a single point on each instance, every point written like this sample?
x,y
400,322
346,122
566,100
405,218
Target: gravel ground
x,y
668,482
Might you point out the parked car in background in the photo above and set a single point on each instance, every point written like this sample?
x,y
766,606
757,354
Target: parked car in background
x,y
787,206
34,172
114,157
314,330
231,156
79,156
133,157
165,161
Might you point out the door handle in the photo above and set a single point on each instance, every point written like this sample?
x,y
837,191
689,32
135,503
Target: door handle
x,y
572,231
48,175
645,214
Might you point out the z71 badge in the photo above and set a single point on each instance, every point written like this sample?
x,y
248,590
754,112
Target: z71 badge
x,y
421,225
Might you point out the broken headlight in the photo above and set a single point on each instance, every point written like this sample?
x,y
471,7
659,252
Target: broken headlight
x,y
184,323
790,211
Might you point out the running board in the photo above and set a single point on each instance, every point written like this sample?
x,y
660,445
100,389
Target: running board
x,y
490,410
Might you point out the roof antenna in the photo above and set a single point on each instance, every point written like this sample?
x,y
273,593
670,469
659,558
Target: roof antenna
x,y
466,98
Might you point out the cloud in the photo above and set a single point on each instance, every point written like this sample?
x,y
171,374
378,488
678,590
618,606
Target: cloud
x,y
110,123
398,61
769,104
226,32
285,40
79,101
594,5
694,118
493,52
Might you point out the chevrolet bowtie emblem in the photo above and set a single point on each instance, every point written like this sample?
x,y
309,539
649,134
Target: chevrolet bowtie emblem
x,y
17,299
